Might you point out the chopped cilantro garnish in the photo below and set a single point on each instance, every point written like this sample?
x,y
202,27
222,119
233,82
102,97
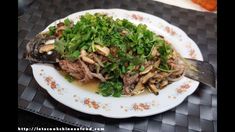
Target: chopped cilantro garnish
x,y
133,43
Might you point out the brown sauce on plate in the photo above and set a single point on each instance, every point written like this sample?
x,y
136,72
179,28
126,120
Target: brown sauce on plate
x,y
93,85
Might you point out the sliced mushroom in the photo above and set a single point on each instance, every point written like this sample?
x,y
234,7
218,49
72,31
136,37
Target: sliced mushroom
x,y
88,60
154,51
178,72
175,77
163,83
157,63
174,55
139,88
46,48
153,89
145,78
83,53
148,69
152,80
158,76
85,58
102,50
164,74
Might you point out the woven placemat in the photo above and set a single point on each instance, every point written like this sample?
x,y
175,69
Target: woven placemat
x,y
197,113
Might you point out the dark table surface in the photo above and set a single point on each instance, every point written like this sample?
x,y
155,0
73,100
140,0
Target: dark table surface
x,y
28,119
196,113
25,118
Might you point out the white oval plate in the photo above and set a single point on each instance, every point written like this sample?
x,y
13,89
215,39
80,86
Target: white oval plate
x,y
137,106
